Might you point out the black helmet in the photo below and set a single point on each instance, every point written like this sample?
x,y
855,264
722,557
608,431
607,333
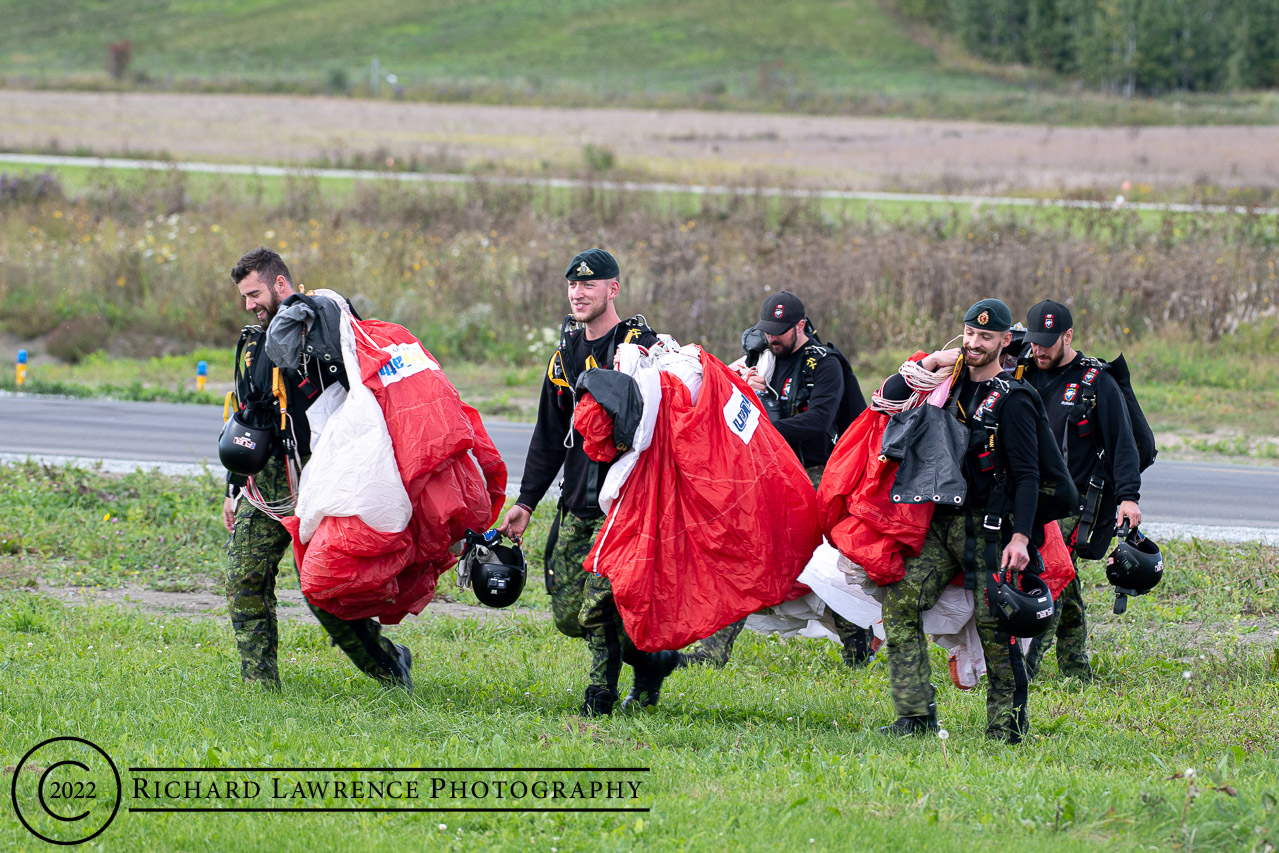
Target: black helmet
x,y
1023,612
1017,348
495,572
244,449
1135,567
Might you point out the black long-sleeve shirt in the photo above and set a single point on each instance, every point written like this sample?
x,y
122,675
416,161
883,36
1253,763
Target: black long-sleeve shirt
x,y
808,432
1061,390
583,477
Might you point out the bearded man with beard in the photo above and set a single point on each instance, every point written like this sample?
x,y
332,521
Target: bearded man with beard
x,y
1061,374
258,541
1002,495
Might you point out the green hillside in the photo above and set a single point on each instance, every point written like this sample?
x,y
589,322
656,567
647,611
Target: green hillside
x,y
817,56
707,46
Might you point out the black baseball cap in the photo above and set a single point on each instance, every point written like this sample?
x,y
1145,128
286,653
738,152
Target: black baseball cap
x,y
1046,322
779,313
989,315
592,265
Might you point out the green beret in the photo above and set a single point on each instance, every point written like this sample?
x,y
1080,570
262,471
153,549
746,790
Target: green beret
x,y
989,315
592,265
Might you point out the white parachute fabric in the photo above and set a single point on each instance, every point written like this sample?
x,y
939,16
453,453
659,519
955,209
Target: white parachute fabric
x,y
352,471
324,407
807,616
952,622
643,365
823,576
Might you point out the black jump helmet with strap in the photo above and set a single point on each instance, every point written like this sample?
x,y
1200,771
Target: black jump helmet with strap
x,y
1135,567
1023,612
495,572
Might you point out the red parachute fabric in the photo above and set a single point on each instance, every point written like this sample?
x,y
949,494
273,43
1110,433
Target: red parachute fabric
x,y
596,427
450,468
716,521
855,508
1058,569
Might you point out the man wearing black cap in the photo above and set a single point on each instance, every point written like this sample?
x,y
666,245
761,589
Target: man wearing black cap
x,y
808,385
993,531
1098,443
582,602
808,388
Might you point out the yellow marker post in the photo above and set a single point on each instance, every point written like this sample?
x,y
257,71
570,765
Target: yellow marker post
x,y
21,369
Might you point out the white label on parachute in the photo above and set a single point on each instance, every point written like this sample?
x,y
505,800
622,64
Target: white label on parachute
x,y
742,416
406,360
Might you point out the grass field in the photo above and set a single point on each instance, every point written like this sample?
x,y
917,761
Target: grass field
x,y
776,751
812,55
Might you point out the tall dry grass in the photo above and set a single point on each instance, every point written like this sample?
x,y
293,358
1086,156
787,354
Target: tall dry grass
x,y
478,271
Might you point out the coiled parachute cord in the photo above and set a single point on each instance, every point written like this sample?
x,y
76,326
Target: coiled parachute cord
x,y
292,471
921,382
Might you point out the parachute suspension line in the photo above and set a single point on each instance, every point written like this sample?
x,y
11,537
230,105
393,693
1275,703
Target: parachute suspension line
x,y
292,470
568,438
922,382
276,510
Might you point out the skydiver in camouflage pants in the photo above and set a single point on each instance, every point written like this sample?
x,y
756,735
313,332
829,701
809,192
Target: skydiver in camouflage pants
x,y
1069,625
581,602
258,542
995,531
582,605
906,646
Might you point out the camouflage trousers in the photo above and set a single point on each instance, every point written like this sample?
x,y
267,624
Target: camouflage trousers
x,y
906,646
1069,625
582,604
258,542
716,649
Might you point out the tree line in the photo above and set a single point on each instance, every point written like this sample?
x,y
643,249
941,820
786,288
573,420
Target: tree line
x,y
1124,47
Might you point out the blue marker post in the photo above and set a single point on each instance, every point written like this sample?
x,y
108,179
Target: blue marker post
x,y
201,374
21,375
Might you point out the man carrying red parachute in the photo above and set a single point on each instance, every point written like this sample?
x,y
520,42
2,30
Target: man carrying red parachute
x,y
399,469
695,483
968,494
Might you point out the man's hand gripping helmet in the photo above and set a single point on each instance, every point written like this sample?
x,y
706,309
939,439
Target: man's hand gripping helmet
x,y
496,573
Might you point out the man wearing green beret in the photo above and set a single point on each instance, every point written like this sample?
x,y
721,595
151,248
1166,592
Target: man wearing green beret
x,y
582,602
993,531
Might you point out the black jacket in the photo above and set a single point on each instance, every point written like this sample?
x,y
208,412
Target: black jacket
x,y
1111,428
1018,436
808,431
583,478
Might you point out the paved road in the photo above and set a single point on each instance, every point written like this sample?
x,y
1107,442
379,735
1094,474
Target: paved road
x,y
1195,498
630,186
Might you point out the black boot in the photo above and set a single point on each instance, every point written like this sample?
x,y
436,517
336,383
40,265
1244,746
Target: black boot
x,y
649,677
927,724
403,663
598,702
